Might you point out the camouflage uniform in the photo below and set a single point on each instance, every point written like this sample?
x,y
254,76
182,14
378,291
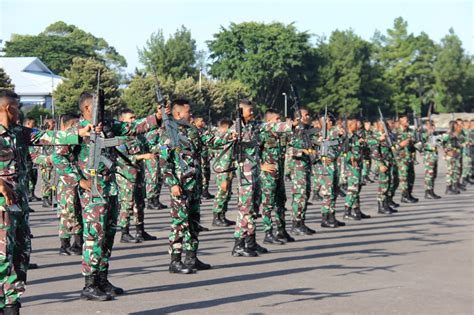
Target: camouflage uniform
x,y
99,214
467,136
205,161
366,160
32,171
430,161
223,175
452,148
15,243
405,161
354,167
47,175
382,155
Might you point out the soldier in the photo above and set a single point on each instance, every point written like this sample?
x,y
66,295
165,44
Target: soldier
x,y
14,209
205,158
467,143
430,159
392,126
271,182
223,179
452,155
69,209
405,144
366,161
32,170
384,161
130,180
315,182
99,213
354,161
300,164
46,170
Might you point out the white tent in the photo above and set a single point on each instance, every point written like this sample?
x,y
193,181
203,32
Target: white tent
x,y
33,81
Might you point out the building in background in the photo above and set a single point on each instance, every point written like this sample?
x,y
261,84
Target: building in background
x,y
33,81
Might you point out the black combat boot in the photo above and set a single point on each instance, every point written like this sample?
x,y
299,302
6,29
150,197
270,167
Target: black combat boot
x,y
299,228
176,266
382,209
460,187
414,199
126,237
348,215
406,198
433,195
332,216
12,309
451,190
360,214
192,262
142,235
341,192
251,243
271,239
241,250
227,221
76,247
326,223
316,196
160,205
151,204
217,221
108,287
282,234
46,203
65,245
92,292
392,203
207,195
368,179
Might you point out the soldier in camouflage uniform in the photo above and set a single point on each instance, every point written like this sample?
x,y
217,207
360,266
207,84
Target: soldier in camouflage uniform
x,y
354,161
15,243
467,143
271,182
205,158
99,214
315,182
32,170
130,180
300,164
223,178
405,144
366,160
452,155
46,171
392,126
430,159
153,184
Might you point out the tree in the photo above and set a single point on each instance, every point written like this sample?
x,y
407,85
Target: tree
x,y
175,57
450,70
59,44
262,56
5,81
82,77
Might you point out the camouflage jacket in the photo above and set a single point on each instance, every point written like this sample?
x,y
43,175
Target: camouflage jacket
x,y
14,143
405,153
295,146
380,151
271,148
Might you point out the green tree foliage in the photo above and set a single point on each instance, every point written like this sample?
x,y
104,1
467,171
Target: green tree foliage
x,y
5,81
175,57
82,77
262,56
59,44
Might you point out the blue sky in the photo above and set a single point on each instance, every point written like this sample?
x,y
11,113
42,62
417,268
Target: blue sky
x,y
127,25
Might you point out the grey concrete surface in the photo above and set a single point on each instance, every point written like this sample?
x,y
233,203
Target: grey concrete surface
x,y
419,261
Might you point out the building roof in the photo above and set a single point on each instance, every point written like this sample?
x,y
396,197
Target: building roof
x,y
30,76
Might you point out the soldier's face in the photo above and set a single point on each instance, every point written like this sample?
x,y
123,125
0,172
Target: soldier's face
x,y
200,123
305,119
404,121
367,125
9,106
128,117
186,113
247,113
273,118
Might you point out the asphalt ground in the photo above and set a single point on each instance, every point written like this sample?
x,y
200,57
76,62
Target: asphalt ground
x,y
418,261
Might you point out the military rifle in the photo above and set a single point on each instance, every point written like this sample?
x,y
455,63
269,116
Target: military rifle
x,y
388,137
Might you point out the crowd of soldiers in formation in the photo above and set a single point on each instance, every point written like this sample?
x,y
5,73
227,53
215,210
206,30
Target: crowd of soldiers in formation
x,y
271,154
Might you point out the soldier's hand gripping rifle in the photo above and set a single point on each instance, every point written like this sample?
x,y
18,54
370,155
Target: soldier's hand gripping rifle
x,y
98,143
302,132
325,143
238,155
388,138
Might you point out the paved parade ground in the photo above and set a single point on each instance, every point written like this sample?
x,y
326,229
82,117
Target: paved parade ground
x,y
418,261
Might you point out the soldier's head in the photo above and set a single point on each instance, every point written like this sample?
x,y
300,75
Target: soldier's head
x,y
85,105
316,123
466,124
127,115
352,125
181,110
403,121
199,122
247,109
29,123
272,116
49,124
367,125
68,120
9,108
430,125
305,117
224,124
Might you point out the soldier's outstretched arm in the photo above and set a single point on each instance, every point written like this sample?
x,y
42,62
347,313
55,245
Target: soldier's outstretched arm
x,y
61,159
138,126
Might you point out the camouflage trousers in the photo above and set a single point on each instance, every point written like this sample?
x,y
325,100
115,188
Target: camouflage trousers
x,y
342,170
452,165
466,163
15,249
354,180
300,172
328,177
100,224
223,195
131,200
185,218
394,179
430,165
69,210
153,179
272,189
206,174
46,181
406,174
315,182
366,166
32,178
247,198
385,181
